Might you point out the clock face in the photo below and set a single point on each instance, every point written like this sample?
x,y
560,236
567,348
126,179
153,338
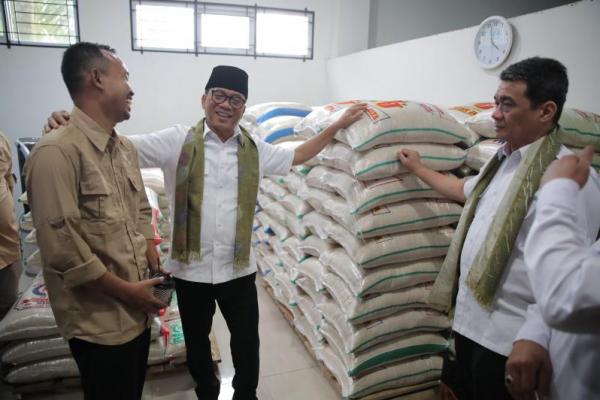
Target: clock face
x,y
493,42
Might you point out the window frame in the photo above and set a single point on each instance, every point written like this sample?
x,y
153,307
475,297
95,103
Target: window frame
x,y
6,40
229,9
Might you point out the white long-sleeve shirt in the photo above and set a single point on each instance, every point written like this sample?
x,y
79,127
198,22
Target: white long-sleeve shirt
x,y
219,207
563,265
513,312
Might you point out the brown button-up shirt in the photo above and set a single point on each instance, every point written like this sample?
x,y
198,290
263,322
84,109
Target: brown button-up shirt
x,y
91,215
9,236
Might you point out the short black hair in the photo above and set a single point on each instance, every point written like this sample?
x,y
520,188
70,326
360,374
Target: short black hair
x,y
546,80
78,59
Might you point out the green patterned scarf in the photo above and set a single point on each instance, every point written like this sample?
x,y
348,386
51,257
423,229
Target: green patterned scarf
x,y
491,260
190,189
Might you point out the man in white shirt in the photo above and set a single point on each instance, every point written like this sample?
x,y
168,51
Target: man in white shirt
x,y
563,266
529,102
207,267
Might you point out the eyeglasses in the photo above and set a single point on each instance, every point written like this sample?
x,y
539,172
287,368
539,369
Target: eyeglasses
x,y
218,96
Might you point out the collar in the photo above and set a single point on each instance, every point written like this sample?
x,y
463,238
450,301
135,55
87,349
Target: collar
x,y
92,130
237,133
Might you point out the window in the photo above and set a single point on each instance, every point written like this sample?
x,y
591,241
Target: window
x,y
2,26
209,28
39,22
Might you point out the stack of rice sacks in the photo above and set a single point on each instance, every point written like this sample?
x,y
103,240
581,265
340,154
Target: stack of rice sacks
x,y
371,246
579,129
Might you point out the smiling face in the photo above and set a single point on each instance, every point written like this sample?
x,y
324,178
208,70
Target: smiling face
x,y
118,94
516,120
222,118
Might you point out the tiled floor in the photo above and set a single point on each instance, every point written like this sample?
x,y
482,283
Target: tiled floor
x,y
287,370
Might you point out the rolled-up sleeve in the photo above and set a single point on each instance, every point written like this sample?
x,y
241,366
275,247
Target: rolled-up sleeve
x,y
52,187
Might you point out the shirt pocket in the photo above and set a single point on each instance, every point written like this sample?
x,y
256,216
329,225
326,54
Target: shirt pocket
x,y
95,194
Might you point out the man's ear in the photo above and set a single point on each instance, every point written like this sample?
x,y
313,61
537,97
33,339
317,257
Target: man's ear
x,y
96,78
204,98
548,111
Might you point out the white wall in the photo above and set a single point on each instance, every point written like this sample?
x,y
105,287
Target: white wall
x,y
441,68
168,86
395,21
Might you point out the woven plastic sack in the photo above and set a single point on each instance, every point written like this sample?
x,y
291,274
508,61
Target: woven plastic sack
x,y
43,371
36,350
31,316
375,307
358,338
316,223
290,245
479,154
483,124
404,378
394,351
153,178
580,128
272,189
298,207
363,282
279,129
315,246
392,249
396,121
293,182
383,161
264,111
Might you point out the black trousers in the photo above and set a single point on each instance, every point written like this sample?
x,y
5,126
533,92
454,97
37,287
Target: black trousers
x,y
238,302
477,373
112,372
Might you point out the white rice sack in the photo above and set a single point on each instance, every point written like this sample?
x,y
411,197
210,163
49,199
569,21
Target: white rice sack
x,y
263,200
23,198
36,350
277,245
265,111
43,371
405,216
156,354
306,285
288,290
284,265
287,219
393,351
384,279
387,122
337,155
360,311
272,189
464,112
25,222
302,169
317,198
383,161
479,154
267,222
364,196
316,223
483,124
31,316
310,311
312,268
248,122
315,246
358,338
279,129
31,237
153,178
406,377
392,249
298,207
175,339
293,182
290,245
580,128
304,326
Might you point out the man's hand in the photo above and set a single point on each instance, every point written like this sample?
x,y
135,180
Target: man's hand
x,y
528,371
139,295
153,258
575,167
56,120
410,159
350,116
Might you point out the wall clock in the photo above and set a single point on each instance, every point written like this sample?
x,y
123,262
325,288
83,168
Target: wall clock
x,y
493,42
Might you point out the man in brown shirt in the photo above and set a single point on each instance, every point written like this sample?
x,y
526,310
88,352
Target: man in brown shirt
x,y
92,219
10,249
